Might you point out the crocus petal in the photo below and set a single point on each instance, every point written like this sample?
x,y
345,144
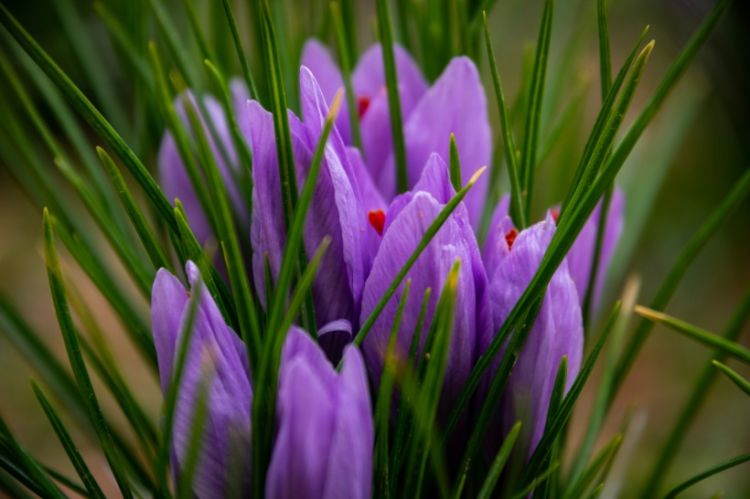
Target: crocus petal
x,y
216,360
581,254
323,448
456,103
168,299
317,58
368,78
557,330
430,270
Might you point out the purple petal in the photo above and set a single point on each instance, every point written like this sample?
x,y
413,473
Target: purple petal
x,y
323,448
368,78
317,58
581,254
456,103
431,269
557,330
168,299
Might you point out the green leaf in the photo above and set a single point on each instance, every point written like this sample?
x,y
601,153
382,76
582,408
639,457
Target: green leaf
x,y
700,335
70,448
605,56
517,211
706,474
70,337
534,109
498,464
426,238
385,33
455,164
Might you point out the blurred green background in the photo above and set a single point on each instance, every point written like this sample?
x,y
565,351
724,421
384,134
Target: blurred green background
x,y
689,158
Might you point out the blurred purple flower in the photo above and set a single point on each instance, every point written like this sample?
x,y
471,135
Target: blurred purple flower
x,y
173,176
404,225
324,445
511,259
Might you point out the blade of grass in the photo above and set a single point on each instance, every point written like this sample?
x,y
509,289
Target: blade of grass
x,y
76,359
534,109
383,405
232,22
92,487
498,464
517,211
696,333
138,219
346,55
733,376
708,473
598,464
385,33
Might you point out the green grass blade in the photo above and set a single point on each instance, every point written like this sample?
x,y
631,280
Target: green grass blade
x,y
346,56
455,164
92,487
91,114
426,238
598,464
698,334
534,109
197,429
733,376
706,474
385,33
78,365
383,405
138,219
498,464
264,398
232,22
517,211
605,55
25,468
537,481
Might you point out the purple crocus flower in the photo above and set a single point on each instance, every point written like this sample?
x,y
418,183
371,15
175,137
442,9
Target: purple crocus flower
x,y
325,430
173,176
405,223
214,355
325,434
368,84
455,103
511,259
342,198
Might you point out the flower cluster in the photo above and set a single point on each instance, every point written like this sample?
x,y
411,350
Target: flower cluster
x,y
324,426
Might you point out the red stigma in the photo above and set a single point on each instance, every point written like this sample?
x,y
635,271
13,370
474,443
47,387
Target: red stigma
x,y
377,220
510,237
555,214
363,103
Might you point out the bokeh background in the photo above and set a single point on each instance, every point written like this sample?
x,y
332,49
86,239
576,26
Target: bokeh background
x,y
687,161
